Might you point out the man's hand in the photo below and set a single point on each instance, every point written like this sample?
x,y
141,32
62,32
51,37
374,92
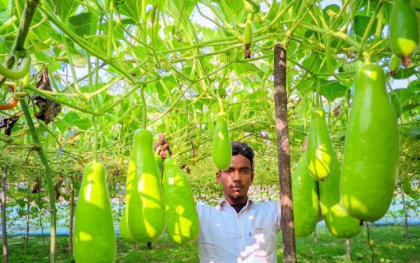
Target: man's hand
x,y
163,145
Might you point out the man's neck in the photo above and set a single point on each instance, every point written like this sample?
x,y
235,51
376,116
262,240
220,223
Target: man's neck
x,y
237,202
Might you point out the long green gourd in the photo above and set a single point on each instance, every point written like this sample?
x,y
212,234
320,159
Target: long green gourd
x,y
222,150
371,151
183,223
404,29
320,149
125,234
338,222
305,199
146,216
94,236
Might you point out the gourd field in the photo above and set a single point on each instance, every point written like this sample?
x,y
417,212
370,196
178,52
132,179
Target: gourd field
x,y
326,92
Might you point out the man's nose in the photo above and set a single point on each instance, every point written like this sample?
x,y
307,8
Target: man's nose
x,y
236,176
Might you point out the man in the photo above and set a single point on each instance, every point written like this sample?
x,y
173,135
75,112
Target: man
x,y
237,229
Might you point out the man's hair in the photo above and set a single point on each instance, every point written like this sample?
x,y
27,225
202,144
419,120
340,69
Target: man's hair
x,y
243,149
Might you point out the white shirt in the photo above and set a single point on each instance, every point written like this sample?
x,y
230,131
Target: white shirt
x,y
248,236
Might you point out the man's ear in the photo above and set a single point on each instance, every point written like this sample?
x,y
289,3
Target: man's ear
x,y
218,175
252,177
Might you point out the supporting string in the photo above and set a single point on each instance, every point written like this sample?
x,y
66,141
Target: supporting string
x,y
373,253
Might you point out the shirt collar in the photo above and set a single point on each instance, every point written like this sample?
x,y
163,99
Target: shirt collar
x,y
223,203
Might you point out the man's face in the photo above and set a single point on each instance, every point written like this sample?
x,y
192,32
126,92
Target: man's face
x,y
236,180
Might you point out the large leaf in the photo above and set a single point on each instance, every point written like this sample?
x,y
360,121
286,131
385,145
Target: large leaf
x,y
332,90
404,95
405,73
66,8
84,24
132,8
360,25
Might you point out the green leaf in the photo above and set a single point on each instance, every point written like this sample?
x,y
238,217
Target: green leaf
x,y
415,132
404,95
360,25
332,90
410,106
66,8
84,24
405,73
414,86
132,8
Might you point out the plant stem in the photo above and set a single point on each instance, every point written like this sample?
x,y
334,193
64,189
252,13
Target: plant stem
x,y
95,139
366,34
48,178
144,106
23,30
110,35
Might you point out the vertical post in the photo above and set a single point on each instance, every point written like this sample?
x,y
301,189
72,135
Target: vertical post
x,y
348,248
405,213
28,209
71,215
283,151
3,213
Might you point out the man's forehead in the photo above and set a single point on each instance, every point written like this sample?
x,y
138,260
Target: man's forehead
x,y
240,161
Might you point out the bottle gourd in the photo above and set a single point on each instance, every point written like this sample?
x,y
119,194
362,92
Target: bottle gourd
x,y
305,199
371,151
94,236
125,234
145,206
320,150
222,150
403,30
338,222
182,219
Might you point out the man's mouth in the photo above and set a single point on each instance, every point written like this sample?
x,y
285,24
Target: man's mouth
x,y
236,188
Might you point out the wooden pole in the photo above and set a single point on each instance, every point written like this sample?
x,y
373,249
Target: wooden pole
x,y
283,151
348,248
3,213
405,213
71,216
28,210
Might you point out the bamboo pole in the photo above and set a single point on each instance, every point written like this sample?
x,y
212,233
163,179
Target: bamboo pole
x,y
28,206
3,213
283,150
71,216
348,248
405,213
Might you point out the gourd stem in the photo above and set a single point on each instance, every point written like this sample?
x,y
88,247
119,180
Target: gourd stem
x,y
318,95
95,139
143,100
378,33
366,57
218,90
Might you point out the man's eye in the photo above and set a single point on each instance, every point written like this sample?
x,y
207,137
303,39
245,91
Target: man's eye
x,y
245,171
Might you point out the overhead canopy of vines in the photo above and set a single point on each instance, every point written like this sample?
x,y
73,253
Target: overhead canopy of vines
x,y
99,57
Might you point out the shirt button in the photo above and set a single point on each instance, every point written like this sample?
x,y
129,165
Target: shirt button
x,y
240,235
